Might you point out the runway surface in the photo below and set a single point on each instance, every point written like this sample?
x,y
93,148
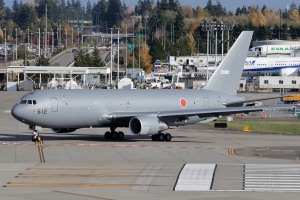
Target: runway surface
x,y
210,163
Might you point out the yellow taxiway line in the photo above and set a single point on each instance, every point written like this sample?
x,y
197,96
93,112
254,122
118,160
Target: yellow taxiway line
x,y
36,175
59,184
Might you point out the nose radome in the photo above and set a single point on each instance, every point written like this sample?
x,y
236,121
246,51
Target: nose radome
x,y
15,112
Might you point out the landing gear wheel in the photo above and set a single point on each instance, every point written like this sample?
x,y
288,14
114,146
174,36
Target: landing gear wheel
x,y
121,135
154,137
161,137
168,137
107,135
34,138
114,135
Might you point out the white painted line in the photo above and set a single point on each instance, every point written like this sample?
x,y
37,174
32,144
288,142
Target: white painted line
x,y
195,177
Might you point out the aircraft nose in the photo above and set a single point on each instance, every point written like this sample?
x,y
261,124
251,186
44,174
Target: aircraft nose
x,y
16,112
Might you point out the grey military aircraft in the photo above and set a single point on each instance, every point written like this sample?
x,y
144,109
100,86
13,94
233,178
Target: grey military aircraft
x,y
145,112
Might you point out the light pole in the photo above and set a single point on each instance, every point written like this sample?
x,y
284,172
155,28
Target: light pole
x,y
58,39
27,35
31,45
72,35
132,48
78,36
39,42
66,38
16,44
5,50
118,76
45,43
52,40
111,55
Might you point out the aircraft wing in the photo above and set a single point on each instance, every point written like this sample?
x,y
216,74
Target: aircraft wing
x,y
240,103
213,112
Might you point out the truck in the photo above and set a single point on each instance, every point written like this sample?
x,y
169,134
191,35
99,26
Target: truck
x,y
291,99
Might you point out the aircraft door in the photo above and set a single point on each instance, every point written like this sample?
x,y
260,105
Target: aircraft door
x,y
206,103
54,106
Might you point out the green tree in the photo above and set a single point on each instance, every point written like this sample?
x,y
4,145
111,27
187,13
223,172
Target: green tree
x,y
96,60
42,61
25,16
2,4
157,51
115,12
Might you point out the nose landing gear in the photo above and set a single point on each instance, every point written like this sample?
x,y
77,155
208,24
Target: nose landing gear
x,y
36,137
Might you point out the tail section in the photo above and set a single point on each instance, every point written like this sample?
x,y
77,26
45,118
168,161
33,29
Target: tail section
x,y
227,76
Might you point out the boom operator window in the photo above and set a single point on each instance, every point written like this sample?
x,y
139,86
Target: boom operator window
x,y
30,102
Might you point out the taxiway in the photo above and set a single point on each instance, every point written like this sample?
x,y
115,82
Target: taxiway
x,y
82,165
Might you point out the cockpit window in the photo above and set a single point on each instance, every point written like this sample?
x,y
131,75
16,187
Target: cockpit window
x,y
30,102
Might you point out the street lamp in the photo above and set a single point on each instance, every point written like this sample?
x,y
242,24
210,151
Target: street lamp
x,y
111,55
133,47
52,40
72,35
31,40
5,50
39,42
27,35
66,38
58,39
78,36
16,44
118,55
45,43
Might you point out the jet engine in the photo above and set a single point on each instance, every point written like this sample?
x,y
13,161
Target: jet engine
x,y
146,125
63,130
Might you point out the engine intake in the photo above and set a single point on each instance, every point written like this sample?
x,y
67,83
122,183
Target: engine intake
x,y
147,125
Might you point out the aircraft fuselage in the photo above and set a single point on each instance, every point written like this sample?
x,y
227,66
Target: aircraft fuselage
x,y
91,108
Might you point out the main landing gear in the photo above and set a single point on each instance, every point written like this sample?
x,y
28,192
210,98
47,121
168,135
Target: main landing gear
x,y
161,137
114,135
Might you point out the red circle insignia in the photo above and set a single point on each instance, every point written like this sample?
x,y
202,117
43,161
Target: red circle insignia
x,y
183,102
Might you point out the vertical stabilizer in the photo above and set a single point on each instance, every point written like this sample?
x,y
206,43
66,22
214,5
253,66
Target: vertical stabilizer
x,y
227,76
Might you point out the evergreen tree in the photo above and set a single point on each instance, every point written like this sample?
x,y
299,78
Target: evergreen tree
x,y
115,12
157,51
179,25
15,5
2,4
96,60
89,10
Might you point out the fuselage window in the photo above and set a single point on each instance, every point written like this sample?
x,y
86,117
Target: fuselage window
x,y
29,102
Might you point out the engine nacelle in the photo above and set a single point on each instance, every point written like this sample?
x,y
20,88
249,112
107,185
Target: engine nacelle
x,y
63,130
146,125
287,71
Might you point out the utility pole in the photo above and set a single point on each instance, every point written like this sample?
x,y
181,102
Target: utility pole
x,y
39,42
133,48
111,55
46,29
118,76
16,44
